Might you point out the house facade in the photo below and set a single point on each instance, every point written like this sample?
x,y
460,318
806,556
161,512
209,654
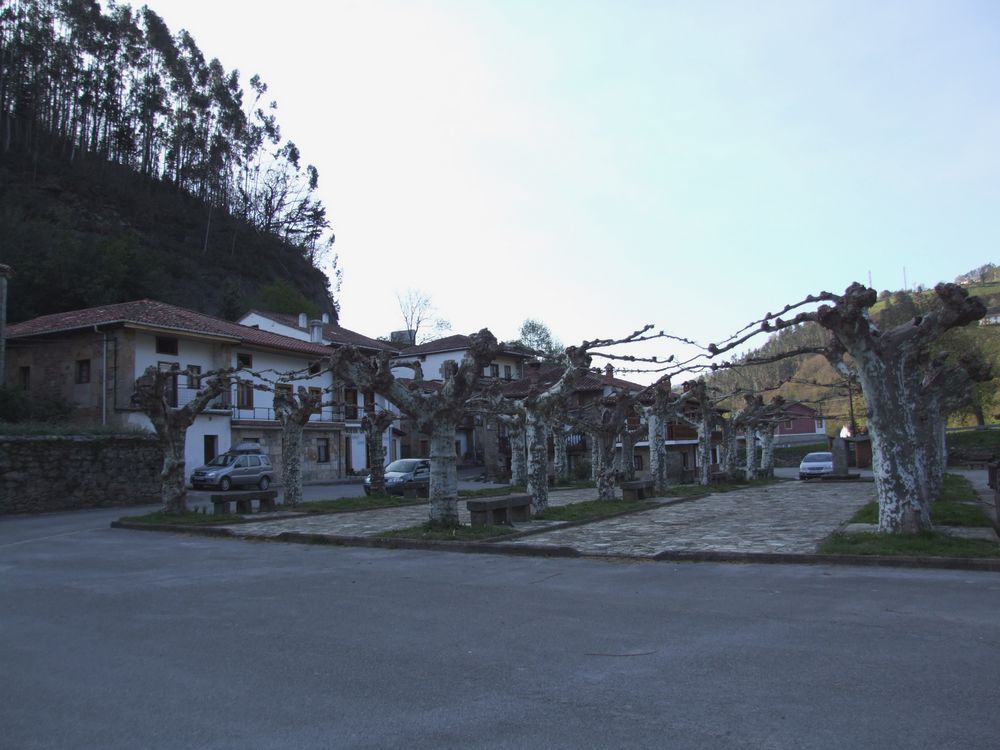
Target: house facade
x,y
91,359
803,425
475,436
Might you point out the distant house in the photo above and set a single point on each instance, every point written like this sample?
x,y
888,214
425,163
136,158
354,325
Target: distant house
x,y
321,331
91,358
803,425
472,444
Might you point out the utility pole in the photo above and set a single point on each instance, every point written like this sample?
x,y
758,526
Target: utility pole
x,y
5,273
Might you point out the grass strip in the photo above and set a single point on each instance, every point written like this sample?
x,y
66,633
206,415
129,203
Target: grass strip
x,y
591,509
952,508
188,517
924,544
432,531
367,502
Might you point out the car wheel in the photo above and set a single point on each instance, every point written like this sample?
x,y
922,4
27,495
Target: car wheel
x,y
802,477
225,484
264,482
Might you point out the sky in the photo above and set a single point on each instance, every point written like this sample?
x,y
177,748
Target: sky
x,y
600,166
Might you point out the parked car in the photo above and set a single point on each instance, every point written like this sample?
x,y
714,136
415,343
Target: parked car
x,y
816,465
404,474
234,469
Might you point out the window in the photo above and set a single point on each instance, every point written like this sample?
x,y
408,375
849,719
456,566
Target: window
x,y
194,377
322,450
244,394
82,371
244,360
369,403
494,371
166,345
315,368
24,377
317,393
170,383
637,462
507,374
820,424
350,403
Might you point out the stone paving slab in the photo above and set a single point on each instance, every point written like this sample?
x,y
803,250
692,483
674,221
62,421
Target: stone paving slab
x,y
373,522
786,517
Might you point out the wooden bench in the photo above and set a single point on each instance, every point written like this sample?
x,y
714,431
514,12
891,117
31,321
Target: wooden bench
x,y
638,490
500,511
979,459
244,501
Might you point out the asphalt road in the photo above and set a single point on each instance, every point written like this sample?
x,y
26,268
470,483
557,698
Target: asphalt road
x,y
129,639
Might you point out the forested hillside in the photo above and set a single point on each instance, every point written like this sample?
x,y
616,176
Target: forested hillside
x,y
132,166
809,378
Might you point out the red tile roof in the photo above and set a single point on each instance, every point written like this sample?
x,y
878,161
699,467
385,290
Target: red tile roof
x,y
461,342
160,315
332,332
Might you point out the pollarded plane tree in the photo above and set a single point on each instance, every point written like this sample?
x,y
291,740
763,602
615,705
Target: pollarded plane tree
x,y
436,409
154,395
892,367
602,420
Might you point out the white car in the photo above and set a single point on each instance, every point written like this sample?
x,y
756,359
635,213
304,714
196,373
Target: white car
x,y
816,465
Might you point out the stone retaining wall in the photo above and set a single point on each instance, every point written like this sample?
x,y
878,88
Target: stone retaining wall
x,y
47,473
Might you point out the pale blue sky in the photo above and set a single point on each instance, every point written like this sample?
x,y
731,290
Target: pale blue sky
x,y
601,165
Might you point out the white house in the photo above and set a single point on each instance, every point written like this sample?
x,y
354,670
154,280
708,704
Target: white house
x,y
91,359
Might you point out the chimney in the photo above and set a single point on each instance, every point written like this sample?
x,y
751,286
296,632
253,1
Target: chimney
x,y
609,373
316,331
303,320
326,318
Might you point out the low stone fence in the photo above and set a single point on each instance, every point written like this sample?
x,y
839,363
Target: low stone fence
x,y
47,473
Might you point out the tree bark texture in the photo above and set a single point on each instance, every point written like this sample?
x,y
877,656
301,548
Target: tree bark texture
x,y
171,424
444,475
537,450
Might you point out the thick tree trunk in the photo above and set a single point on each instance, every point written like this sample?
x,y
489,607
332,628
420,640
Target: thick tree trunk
x,y
291,461
538,469
595,455
657,453
767,451
606,473
444,475
729,452
750,471
898,458
704,453
173,490
560,463
518,457
628,455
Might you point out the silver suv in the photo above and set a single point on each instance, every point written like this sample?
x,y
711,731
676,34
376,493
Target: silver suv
x,y
234,469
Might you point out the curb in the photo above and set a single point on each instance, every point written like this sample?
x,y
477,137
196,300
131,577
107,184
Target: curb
x,y
990,565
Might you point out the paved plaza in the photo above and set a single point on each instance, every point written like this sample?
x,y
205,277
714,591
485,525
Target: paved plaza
x,y
782,517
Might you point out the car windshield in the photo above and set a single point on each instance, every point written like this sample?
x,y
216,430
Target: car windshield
x,y
224,460
404,465
817,458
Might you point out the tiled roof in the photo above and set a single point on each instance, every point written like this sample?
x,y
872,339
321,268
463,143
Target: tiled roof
x,y
160,315
460,342
331,332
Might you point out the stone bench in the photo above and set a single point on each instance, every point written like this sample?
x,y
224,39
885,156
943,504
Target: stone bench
x,y
638,490
499,511
244,501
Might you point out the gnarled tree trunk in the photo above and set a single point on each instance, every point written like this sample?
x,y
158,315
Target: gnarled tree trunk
x,y
538,468
444,475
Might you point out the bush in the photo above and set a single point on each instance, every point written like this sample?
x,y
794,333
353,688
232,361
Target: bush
x,y
15,406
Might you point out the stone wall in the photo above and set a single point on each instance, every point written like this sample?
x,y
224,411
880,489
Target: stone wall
x,y
47,473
